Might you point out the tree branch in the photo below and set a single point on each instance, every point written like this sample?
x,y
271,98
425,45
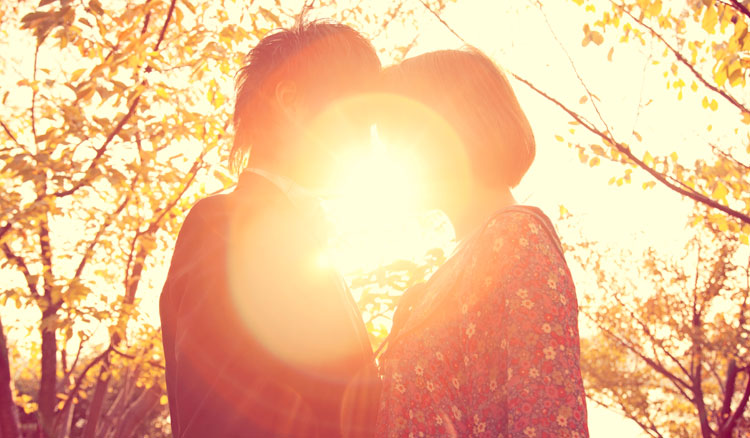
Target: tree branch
x,y
33,94
90,247
655,342
648,428
10,134
79,380
131,110
683,60
726,405
729,157
740,7
672,184
100,151
130,356
166,23
22,266
664,179
738,412
679,384
590,95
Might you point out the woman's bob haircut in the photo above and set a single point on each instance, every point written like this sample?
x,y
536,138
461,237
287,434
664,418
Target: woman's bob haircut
x,y
474,95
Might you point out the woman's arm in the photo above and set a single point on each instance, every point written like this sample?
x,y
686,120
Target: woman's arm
x,y
527,382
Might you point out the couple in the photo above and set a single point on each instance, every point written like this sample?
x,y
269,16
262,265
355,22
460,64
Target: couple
x,y
261,341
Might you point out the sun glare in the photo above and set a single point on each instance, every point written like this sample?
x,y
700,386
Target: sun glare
x,y
378,213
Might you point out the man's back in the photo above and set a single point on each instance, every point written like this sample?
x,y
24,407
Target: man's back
x,y
259,338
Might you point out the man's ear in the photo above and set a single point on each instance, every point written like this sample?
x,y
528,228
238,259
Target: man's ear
x,y
287,98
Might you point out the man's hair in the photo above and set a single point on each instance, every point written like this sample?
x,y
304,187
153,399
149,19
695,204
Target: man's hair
x,y
324,60
472,94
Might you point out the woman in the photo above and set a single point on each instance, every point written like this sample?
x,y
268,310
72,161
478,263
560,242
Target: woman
x,y
489,346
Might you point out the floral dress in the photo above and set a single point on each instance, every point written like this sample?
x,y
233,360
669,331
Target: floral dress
x,y
491,347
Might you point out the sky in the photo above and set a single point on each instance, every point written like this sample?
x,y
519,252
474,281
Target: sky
x,y
517,36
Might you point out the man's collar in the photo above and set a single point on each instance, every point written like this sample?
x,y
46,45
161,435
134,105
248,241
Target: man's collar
x,y
300,196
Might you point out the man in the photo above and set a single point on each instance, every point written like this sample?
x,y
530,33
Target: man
x,y
260,338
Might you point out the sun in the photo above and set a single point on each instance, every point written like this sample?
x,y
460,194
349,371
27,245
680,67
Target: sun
x,y
378,215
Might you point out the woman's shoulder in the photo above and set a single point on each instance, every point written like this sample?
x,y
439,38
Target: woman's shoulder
x,y
516,229
521,219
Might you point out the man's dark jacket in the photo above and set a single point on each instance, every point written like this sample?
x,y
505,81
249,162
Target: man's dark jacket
x,y
260,338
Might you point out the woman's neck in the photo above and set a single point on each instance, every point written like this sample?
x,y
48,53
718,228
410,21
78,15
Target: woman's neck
x,y
483,203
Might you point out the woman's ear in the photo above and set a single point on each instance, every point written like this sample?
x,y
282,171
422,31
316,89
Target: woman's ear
x,y
287,98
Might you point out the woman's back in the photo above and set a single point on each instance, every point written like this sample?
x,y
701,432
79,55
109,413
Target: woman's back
x,y
491,348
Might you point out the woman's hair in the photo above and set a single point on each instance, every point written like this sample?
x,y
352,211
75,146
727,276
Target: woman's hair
x,y
324,60
467,89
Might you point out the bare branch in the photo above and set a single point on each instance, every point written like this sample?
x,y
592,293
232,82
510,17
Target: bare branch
x,y
655,342
33,94
648,428
18,261
69,371
10,134
90,247
590,95
130,356
166,23
79,381
679,384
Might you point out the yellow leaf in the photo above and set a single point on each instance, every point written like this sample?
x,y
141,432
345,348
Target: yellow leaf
x,y
673,156
720,76
163,400
583,100
694,86
609,55
714,105
720,192
638,136
564,211
710,19
559,138
77,74
744,239
648,159
704,102
596,37
655,8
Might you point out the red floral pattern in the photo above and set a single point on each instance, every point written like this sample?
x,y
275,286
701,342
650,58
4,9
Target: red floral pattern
x,y
499,355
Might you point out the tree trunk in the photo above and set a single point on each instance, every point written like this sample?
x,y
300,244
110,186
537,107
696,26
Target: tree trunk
x,y
48,381
97,403
138,411
8,408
